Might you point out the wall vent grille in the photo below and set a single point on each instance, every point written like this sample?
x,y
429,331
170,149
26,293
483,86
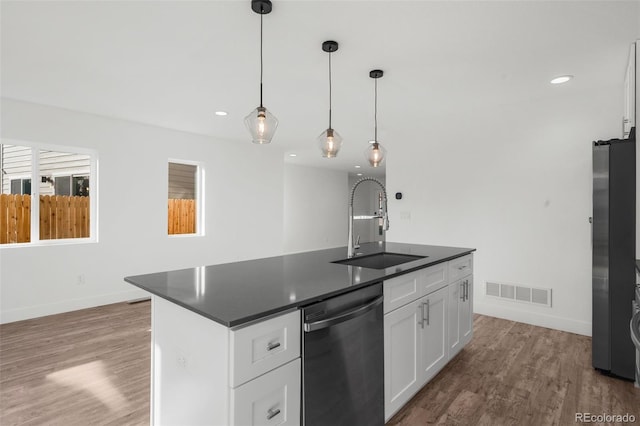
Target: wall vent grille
x,y
519,293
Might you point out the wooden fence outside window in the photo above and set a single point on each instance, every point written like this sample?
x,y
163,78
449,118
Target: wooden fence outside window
x,y
61,216
182,216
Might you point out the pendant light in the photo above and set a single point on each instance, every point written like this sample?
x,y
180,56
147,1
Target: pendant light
x,y
330,141
375,153
260,122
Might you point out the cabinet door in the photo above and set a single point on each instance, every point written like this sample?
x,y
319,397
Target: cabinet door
x,y
456,293
271,399
433,334
466,313
401,357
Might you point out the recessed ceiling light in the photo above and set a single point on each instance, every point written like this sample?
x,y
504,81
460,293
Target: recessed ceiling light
x,y
561,79
293,155
359,174
372,141
357,167
221,113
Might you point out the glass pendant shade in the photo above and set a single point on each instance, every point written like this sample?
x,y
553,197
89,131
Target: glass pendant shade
x,y
261,124
330,143
375,154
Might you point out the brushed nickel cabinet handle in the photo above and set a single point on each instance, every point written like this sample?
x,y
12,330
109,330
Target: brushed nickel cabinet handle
x,y
271,413
272,345
428,311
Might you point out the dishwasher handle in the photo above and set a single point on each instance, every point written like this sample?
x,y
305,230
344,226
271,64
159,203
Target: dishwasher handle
x,y
345,316
635,329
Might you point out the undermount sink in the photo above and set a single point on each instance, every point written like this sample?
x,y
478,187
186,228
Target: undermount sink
x,y
379,260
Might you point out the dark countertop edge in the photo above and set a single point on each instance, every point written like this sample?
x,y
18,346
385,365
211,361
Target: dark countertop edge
x,y
300,303
250,319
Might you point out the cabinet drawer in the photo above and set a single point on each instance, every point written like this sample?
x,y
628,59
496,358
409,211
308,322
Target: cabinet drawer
x,y
434,278
460,267
262,347
271,399
401,290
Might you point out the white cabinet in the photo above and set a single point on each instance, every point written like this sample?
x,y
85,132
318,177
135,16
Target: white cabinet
x,y
271,399
460,314
455,301
434,353
426,322
401,356
460,303
244,376
399,291
466,312
460,267
263,346
434,278
415,347
402,289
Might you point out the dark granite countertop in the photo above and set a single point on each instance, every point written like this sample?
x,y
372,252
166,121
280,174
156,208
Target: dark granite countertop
x,y
233,294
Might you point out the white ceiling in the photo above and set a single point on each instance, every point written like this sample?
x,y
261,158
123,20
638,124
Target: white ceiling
x,y
174,63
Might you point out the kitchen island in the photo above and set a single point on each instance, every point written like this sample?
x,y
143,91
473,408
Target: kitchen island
x,y
226,338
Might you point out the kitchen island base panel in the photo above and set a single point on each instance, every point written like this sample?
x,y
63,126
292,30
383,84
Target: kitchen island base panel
x,y
192,363
189,365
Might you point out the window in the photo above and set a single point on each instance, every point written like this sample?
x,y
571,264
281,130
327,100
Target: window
x,y
184,198
64,209
62,185
80,186
72,185
20,186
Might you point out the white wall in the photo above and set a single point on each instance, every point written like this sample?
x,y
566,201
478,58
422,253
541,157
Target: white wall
x,y
244,207
513,181
315,208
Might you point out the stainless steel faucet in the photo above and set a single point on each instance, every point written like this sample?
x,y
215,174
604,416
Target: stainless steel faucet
x,y
385,214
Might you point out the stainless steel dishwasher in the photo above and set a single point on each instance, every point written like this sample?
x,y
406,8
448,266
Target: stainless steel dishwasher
x,y
342,364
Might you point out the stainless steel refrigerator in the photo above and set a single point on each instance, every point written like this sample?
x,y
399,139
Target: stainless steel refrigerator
x,y
614,206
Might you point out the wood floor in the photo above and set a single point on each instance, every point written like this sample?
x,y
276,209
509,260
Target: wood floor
x,y
91,367
517,374
88,367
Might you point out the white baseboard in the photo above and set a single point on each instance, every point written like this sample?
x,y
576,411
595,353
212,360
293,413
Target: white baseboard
x,y
533,318
29,312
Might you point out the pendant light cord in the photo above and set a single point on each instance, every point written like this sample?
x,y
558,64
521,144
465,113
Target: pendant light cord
x,y
375,112
330,90
261,61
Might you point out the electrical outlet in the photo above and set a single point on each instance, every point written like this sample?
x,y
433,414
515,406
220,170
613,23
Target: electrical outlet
x,y
80,279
